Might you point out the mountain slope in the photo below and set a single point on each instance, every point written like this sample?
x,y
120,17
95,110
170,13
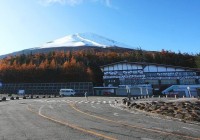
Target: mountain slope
x,y
74,42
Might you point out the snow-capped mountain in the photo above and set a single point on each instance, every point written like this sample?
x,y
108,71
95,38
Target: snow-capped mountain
x,y
74,42
83,39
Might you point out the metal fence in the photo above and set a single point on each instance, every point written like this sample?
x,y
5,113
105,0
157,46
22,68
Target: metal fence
x,y
46,88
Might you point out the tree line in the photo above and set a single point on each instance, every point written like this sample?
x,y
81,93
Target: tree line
x,y
82,65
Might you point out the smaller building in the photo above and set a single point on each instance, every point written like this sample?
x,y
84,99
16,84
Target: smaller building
x,y
183,90
106,91
121,90
136,90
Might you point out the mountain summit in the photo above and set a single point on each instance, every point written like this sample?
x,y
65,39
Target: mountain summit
x,y
83,39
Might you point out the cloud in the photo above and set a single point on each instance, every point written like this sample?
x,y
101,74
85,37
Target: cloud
x,y
107,3
62,2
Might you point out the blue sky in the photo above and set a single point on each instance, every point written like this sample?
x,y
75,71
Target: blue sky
x,y
150,24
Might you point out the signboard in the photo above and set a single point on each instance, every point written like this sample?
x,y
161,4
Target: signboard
x,y
127,87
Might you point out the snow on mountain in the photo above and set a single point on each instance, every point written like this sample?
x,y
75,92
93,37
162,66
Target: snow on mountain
x,y
72,42
83,39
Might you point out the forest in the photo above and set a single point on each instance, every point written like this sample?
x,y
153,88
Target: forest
x,y
82,65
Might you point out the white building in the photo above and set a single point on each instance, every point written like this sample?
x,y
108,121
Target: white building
x,y
160,76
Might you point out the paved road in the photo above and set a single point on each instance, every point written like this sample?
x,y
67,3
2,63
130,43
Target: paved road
x,y
75,118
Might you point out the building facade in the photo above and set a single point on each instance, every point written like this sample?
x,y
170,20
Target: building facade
x,y
158,75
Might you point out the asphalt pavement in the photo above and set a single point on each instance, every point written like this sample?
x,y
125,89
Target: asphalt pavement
x,y
76,118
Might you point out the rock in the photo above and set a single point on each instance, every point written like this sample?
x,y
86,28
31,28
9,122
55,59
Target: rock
x,y
148,109
153,111
198,112
133,104
142,104
175,108
187,115
195,115
142,107
124,101
128,103
153,107
170,114
147,105
196,108
180,116
170,111
137,106
3,99
164,108
161,102
154,103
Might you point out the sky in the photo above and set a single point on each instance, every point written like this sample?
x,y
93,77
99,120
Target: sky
x,y
172,25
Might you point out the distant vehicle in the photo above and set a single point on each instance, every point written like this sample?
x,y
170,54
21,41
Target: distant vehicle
x,y
67,92
21,92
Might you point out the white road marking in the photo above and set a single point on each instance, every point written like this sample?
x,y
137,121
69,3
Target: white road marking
x,y
80,102
50,106
116,114
104,102
133,112
146,139
192,129
40,109
93,106
38,100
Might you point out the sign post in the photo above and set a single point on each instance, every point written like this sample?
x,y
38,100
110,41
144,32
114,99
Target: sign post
x,y
188,88
128,92
0,87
